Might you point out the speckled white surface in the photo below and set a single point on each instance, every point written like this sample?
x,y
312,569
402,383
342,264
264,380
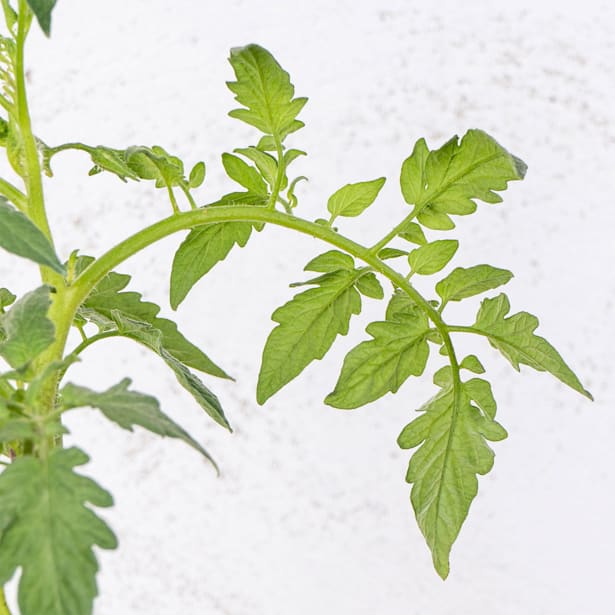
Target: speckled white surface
x,y
311,515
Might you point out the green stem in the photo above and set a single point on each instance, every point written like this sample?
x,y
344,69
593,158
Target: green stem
x,y
68,146
394,232
13,194
279,177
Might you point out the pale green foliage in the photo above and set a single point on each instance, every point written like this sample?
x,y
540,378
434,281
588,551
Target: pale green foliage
x,y
308,326
20,236
128,408
47,526
48,529
264,88
514,337
453,430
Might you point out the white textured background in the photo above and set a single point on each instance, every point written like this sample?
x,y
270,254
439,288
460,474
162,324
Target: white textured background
x,y
311,515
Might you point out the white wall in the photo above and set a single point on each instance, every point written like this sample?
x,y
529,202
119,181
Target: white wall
x,y
312,514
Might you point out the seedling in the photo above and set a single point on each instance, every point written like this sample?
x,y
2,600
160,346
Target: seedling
x,y
48,523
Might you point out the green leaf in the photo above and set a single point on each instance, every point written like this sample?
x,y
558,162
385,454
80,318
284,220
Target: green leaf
x,y
113,161
264,88
333,260
462,283
432,257
203,248
27,330
397,351
413,233
308,326
514,338
244,174
352,199
472,364
369,286
6,298
107,298
20,236
127,409
291,155
449,180
265,163
48,529
452,433
387,253
197,175
42,10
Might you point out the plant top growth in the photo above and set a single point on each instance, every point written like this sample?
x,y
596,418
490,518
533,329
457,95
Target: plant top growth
x,y
49,523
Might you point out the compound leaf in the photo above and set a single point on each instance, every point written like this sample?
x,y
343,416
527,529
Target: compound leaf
x,y
107,298
449,180
264,88
22,237
352,199
462,283
308,326
514,338
398,350
452,433
26,329
127,409
432,257
48,529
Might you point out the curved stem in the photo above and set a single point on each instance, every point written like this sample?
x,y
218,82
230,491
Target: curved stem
x,y
394,232
13,194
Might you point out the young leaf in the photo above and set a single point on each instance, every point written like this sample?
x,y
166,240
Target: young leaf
x,y
450,179
197,175
6,298
308,326
48,529
432,257
27,330
369,286
107,298
330,261
127,409
42,10
514,338
20,236
462,283
203,248
472,364
244,174
113,161
387,253
373,368
413,233
453,433
264,88
352,199
265,163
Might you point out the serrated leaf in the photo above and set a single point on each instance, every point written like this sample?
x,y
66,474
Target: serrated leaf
x,y
352,199
107,298
42,10
330,261
369,286
450,180
197,175
127,409
462,283
308,326
514,338
48,529
26,328
244,174
452,434
264,88
432,257
397,351
18,235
